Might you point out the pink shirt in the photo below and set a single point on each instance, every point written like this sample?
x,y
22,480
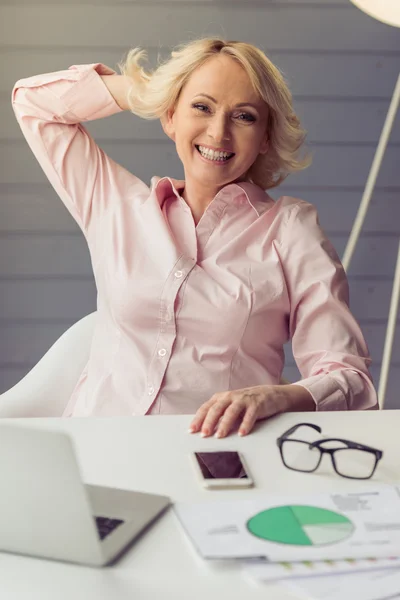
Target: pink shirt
x,y
184,311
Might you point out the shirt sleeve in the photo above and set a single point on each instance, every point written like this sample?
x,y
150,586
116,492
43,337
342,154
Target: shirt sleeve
x,y
327,342
50,109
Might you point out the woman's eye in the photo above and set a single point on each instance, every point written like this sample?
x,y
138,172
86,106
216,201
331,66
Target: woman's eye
x,y
246,116
200,106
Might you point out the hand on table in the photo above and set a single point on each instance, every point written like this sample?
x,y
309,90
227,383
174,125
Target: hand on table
x,y
250,404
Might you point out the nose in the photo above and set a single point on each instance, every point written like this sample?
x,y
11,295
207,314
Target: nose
x,y
219,128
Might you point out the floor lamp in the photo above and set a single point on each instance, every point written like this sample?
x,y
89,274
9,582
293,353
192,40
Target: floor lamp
x,y
387,11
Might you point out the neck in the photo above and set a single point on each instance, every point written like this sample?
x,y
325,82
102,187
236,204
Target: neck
x,y
198,197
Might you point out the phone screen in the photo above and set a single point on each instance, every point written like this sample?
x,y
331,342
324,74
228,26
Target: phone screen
x,y
221,465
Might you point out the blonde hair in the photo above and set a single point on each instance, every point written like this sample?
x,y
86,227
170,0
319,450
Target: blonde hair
x,y
153,94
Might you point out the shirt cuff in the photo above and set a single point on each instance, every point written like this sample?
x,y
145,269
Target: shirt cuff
x,y
90,98
326,392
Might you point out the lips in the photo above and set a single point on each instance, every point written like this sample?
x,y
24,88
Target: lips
x,y
232,154
215,149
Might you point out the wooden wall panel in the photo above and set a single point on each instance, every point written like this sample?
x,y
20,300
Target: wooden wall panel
x,y
328,27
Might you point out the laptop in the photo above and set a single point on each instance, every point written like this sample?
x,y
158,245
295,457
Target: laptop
x,y
47,511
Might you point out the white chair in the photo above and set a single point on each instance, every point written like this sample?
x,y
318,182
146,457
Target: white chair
x,y
46,389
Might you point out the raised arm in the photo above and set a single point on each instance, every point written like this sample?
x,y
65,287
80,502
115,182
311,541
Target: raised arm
x,y
50,109
118,86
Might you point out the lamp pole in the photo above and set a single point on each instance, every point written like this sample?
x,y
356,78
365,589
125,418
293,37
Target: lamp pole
x,y
387,11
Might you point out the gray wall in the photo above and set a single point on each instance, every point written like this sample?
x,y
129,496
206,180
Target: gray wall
x,y
341,66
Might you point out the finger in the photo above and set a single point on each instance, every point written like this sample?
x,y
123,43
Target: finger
x,y
213,416
200,416
228,420
249,419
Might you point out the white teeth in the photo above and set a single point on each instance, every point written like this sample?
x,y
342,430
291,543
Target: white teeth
x,y
211,154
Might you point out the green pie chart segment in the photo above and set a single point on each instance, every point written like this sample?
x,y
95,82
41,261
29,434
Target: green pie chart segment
x,y
300,525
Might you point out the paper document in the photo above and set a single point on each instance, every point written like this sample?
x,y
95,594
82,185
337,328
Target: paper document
x,y
297,527
377,585
264,571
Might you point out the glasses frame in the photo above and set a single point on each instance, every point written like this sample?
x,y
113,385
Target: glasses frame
x,y
331,451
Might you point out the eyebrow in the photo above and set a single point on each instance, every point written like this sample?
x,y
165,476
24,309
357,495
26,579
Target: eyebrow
x,y
238,105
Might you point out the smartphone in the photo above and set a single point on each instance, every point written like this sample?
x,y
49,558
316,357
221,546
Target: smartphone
x,y
222,470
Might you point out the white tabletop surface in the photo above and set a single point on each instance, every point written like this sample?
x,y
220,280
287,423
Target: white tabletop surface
x,y
151,454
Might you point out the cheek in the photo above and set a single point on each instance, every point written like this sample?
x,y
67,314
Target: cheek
x,y
250,150
254,147
186,133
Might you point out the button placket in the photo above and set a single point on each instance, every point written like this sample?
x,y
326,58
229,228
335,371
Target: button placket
x,y
157,368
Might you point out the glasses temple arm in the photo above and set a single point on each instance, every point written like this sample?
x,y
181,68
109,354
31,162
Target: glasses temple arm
x,y
293,429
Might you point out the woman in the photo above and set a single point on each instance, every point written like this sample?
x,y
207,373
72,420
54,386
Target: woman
x,y
201,281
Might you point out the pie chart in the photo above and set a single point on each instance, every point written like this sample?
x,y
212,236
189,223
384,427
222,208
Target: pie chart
x,y
300,525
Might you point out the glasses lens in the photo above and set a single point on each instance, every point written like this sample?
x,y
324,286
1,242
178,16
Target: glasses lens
x,y
299,456
357,464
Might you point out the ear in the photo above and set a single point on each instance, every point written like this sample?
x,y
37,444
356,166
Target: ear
x,y
167,123
264,146
265,141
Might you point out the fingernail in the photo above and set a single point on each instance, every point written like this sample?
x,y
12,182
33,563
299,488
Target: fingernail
x,y
204,433
218,434
191,430
242,432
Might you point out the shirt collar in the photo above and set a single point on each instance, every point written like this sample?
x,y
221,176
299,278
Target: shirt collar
x,y
258,199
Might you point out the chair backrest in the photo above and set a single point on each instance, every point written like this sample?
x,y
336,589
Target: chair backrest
x,y
46,389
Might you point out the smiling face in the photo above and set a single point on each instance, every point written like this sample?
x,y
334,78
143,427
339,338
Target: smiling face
x,y
218,110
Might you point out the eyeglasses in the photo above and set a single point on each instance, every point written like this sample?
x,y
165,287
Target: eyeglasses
x,y
349,459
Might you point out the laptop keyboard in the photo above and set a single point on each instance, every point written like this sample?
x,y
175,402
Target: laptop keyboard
x,y
105,525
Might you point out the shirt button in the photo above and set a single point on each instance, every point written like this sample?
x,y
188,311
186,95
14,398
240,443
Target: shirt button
x,y
150,390
178,274
162,352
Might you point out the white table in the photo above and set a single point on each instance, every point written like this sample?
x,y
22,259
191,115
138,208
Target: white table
x,y
151,454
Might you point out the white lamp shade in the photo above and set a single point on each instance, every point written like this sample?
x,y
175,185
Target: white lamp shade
x,y
387,11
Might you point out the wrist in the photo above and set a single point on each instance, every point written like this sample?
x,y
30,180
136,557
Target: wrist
x,y
118,86
298,399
